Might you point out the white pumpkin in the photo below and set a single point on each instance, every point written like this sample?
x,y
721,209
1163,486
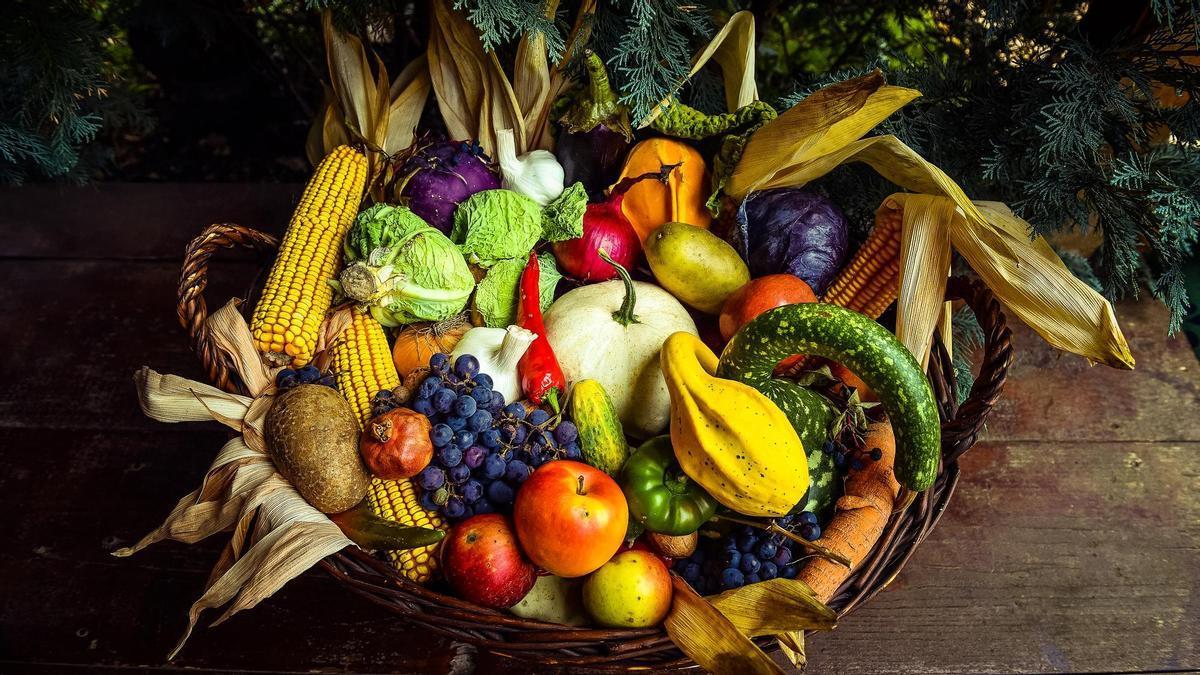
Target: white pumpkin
x,y
593,338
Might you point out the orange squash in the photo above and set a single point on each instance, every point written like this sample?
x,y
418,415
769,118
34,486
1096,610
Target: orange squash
x,y
416,343
651,203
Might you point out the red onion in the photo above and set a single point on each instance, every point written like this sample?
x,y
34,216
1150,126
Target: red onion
x,y
604,227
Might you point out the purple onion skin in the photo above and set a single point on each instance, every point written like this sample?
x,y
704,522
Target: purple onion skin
x,y
592,157
798,232
446,174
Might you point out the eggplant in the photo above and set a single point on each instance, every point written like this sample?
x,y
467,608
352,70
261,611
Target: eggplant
x,y
596,132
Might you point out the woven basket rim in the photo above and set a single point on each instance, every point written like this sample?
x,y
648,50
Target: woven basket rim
x,y
602,649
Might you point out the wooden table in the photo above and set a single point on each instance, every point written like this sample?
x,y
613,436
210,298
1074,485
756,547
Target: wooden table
x,y
1072,545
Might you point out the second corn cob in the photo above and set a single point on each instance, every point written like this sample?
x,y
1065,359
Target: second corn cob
x,y
870,283
297,294
362,363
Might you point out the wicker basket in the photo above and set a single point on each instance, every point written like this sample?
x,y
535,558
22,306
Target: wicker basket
x,y
623,649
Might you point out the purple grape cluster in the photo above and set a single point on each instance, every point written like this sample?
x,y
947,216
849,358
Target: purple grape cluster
x,y
288,378
747,555
484,449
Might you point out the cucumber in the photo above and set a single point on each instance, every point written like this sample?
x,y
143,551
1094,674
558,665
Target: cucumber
x,y
868,349
601,438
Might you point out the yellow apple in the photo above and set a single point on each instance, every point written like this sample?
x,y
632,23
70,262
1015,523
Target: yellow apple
x,y
633,590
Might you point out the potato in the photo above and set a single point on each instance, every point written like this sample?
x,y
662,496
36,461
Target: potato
x,y
312,434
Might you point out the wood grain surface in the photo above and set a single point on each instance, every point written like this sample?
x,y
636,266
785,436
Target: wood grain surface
x,y
1072,544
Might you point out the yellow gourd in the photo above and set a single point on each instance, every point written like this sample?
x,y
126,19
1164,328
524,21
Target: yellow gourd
x,y
652,203
728,437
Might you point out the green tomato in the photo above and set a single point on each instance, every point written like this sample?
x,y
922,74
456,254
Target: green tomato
x,y
661,496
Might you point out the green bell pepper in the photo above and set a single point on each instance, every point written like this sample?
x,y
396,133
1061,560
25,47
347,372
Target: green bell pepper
x,y
660,495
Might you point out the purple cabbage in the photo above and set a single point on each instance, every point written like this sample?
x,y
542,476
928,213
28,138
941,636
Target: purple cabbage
x,y
443,176
794,231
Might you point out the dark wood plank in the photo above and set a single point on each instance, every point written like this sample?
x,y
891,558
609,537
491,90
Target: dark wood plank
x,y
74,332
1053,557
1054,396
132,220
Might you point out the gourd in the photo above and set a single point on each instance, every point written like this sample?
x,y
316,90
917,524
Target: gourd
x,y
862,345
612,332
601,438
416,343
679,199
729,437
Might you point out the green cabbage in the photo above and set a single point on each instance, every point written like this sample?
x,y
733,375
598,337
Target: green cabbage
x,y
497,295
403,269
562,218
495,225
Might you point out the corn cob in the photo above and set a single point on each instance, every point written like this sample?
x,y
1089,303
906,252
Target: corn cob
x,y
362,363
297,296
871,282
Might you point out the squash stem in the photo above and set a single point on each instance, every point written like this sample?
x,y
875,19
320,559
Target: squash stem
x,y
774,528
624,315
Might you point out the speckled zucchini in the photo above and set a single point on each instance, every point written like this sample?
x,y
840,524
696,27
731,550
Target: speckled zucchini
x,y
866,348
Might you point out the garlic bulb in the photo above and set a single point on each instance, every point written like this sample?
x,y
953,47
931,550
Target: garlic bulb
x,y
498,351
535,174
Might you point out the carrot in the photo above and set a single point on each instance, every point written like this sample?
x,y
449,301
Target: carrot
x,y
860,515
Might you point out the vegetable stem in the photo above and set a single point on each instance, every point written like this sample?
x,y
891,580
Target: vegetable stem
x,y
625,315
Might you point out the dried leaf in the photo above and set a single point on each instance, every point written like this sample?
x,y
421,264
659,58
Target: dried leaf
x,y
711,640
791,645
774,606
531,84
925,266
733,50
823,123
1038,288
408,94
353,84
473,93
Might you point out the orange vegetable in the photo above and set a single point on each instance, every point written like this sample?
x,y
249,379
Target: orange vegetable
x,y
651,203
416,343
860,515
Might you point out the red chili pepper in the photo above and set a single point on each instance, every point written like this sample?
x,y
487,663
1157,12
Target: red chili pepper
x,y
541,376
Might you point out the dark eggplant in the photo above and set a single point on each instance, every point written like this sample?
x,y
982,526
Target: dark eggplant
x,y
596,132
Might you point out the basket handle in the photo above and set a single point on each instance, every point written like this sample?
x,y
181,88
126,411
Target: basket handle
x,y
961,424
193,279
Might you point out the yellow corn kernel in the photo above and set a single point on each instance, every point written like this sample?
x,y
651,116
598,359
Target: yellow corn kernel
x,y
363,366
870,283
308,258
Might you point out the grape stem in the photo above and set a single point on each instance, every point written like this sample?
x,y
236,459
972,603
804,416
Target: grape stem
x,y
774,528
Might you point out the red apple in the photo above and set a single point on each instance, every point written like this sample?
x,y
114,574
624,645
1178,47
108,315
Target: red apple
x,y
571,517
759,295
483,564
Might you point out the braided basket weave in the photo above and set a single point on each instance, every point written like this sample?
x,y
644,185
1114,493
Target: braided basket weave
x,y
624,649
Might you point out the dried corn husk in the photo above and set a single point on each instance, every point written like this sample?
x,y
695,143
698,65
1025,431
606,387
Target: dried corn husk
x,y
710,639
242,487
791,645
733,50
473,93
775,606
824,131
362,107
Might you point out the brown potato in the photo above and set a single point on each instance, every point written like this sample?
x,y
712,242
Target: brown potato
x,y
312,434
